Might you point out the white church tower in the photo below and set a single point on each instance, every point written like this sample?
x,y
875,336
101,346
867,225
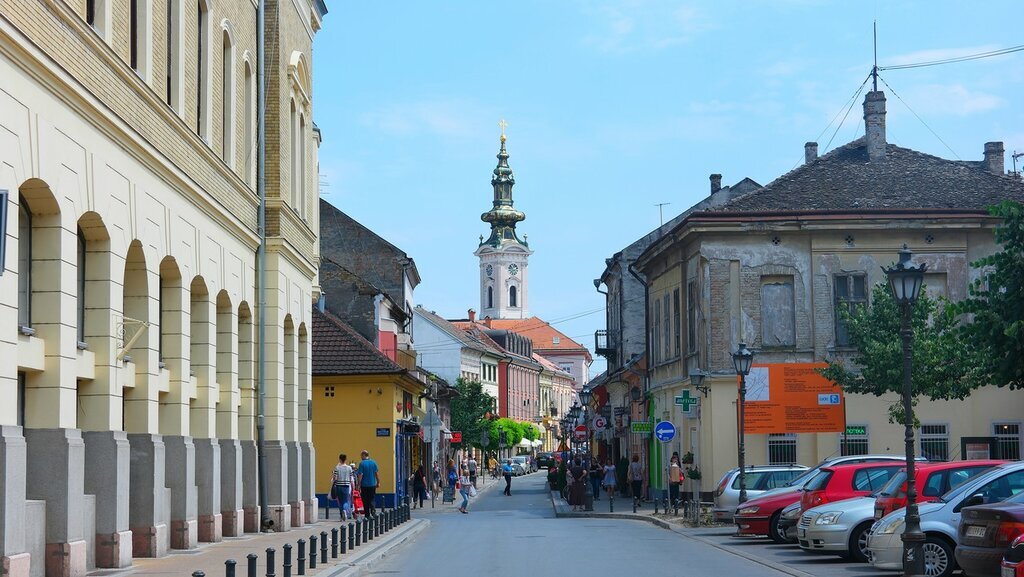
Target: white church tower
x,y
504,275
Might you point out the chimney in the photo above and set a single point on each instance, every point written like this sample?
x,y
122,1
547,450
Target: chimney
x,y
472,316
874,125
487,321
994,157
810,152
716,183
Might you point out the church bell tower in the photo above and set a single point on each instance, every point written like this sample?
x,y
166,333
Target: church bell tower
x,y
504,274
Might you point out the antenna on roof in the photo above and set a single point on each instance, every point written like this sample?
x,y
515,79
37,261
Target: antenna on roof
x,y
661,214
1015,156
874,69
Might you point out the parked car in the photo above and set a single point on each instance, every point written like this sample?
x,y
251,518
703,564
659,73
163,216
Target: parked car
x,y
760,516
985,533
1013,560
788,520
841,528
933,480
940,520
759,479
521,465
545,460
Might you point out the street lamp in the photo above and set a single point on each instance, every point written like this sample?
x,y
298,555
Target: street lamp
x,y
585,396
742,359
905,280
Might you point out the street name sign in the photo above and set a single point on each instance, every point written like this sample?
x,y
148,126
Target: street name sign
x,y
665,431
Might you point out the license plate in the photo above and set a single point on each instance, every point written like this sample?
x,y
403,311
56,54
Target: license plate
x,y
801,533
1006,572
975,531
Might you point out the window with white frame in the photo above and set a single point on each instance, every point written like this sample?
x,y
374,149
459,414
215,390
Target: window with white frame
x,y
781,448
935,442
855,440
1008,440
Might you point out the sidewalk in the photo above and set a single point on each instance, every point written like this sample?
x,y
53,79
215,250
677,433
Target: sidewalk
x,y
210,557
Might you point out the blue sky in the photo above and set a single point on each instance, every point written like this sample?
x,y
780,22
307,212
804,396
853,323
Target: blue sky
x,y
614,106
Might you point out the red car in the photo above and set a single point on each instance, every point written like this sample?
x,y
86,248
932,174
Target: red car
x,y
933,480
845,481
1013,561
986,533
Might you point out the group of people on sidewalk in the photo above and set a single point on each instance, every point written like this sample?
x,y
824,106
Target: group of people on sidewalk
x,y
599,476
365,476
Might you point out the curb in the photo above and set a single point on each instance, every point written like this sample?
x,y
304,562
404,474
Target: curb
x,y
360,564
681,531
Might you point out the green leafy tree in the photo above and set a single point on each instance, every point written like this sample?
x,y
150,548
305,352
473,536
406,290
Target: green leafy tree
x,y
995,303
944,365
469,411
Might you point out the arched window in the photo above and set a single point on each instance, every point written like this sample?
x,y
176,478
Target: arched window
x,y
293,129
302,166
173,25
24,264
139,39
228,100
202,77
512,297
250,115
81,286
490,297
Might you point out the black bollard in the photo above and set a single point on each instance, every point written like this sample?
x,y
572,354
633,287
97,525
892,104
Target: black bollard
x,y
323,547
334,543
270,562
302,557
358,534
286,563
229,568
251,558
312,551
368,524
198,574
344,530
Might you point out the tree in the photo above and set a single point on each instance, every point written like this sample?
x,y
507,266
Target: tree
x,y
944,363
995,303
469,411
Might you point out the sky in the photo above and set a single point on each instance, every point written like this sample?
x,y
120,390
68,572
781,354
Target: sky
x,y
615,106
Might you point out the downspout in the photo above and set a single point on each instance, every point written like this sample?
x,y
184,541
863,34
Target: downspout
x,y
647,345
261,261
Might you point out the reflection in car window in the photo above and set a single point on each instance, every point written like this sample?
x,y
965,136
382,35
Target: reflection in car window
x,y
1001,488
754,478
872,479
820,481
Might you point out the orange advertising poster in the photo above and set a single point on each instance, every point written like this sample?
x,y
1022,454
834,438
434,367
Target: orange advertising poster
x,y
792,398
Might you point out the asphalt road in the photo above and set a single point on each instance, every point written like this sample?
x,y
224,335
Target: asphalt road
x,y
519,536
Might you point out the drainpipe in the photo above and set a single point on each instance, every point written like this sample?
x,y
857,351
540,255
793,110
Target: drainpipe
x,y
647,340
261,261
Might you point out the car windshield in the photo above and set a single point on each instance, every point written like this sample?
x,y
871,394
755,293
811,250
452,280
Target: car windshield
x,y
820,481
802,478
893,487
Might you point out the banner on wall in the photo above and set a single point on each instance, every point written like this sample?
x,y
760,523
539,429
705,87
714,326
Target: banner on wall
x,y
792,398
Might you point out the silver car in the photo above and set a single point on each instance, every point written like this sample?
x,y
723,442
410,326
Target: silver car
x,y
759,480
839,528
940,520
520,465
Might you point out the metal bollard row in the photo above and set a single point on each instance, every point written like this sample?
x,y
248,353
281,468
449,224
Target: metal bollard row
x,y
286,563
312,551
323,547
302,557
270,562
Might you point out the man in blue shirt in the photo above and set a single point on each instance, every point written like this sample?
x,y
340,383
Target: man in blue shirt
x,y
369,480
506,470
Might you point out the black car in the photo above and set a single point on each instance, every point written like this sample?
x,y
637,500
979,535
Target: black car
x,y
545,460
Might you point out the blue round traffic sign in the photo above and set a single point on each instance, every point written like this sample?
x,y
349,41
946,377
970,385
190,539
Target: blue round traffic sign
x,y
665,431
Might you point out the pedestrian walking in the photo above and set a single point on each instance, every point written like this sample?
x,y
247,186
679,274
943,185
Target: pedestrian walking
x,y
419,486
472,471
609,478
636,479
342,483
577,484
465,487
675,479
595,478
369,481
506,471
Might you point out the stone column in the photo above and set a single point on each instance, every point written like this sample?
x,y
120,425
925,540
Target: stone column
x,y
181,480
14,559
55,475
277,484
308,494
294,480
231,482
147,496
208,484
108,477
250,487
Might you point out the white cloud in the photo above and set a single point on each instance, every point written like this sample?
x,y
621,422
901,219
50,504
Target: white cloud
x,y
625,26
947,100
444,118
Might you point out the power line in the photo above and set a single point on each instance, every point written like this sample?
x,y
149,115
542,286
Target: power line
x,y
920,119
849,107
965,58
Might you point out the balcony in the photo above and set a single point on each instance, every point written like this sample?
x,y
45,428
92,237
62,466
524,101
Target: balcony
x,y
602,346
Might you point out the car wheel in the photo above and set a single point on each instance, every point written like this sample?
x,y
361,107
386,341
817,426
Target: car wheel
x,y
938,557
775,532
858,545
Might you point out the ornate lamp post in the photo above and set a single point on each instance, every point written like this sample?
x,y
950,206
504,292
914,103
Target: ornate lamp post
x,y
585,396
905,280
742,359
574,415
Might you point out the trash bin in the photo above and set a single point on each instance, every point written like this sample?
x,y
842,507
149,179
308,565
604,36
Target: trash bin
x,y
588,501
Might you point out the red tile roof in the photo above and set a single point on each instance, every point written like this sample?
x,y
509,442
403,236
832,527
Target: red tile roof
x,y
339,350
541,333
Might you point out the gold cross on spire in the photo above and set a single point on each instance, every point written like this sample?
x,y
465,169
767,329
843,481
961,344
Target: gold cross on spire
x,y
502,124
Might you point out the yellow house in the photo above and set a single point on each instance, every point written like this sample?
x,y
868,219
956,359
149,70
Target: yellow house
x,y
363,400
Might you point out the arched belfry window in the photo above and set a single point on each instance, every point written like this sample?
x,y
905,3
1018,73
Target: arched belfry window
x,y
512,300
490,297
